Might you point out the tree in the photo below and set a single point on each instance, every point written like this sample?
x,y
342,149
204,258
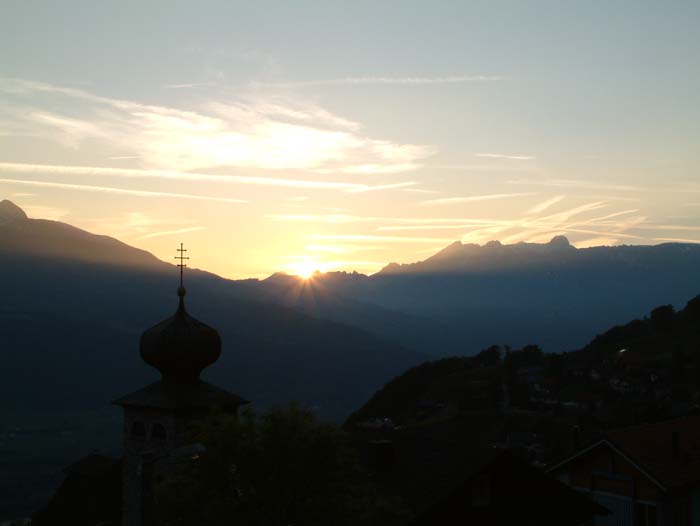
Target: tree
x,y
489,357
662,318
283,468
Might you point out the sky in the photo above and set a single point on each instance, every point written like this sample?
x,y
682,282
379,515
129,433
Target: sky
x,y
294,136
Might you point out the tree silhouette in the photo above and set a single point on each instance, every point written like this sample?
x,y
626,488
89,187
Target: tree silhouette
x,y
283,468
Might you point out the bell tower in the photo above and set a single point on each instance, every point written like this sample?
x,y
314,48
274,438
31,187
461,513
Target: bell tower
x,y
157,418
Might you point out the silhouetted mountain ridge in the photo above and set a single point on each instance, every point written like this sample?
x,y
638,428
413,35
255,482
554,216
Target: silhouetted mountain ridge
x,y
492,256
52,239
552,293
74,305
10,212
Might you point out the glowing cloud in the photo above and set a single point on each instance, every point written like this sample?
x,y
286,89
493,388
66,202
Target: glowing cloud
x,y
273,133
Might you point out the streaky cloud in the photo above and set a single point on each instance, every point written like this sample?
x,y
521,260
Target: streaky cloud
x,y
577,183
48,169
368,238
420,191
119,191
359,81
541,207
173,232
504,156
474,198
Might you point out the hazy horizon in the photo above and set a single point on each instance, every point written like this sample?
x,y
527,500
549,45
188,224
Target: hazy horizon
x,y
310,271
321,136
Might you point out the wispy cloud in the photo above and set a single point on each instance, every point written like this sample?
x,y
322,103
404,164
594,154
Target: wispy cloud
x,y
189,85
351,218
577,183
420,191
544,205
133,173
504,156
366,238
359,81
320,218
374,188
173,232
399,228
273,133
118,191
473,198
565,215
527,227
340,248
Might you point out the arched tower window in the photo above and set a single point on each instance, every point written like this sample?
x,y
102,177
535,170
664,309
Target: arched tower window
x,y
158,432
138,430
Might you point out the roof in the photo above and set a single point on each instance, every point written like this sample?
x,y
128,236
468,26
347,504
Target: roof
x,y
518,492
649,447
181,346
199,395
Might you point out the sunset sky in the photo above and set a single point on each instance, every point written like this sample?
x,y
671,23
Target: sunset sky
x,y
300,135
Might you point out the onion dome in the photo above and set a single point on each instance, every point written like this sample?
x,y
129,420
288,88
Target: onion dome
x,y
181,346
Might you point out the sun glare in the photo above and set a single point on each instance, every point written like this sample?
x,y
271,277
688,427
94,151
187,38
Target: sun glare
x,y
305,268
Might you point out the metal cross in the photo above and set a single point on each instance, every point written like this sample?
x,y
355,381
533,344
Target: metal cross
x,y
182,259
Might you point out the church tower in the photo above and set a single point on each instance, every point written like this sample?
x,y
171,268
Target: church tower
x,y
158,417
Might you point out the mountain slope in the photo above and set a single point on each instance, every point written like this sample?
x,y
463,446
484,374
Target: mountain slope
x,y
320,298
41,238
74,305
551,293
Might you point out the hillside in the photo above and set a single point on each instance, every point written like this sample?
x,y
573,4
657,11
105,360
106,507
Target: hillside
x,y
441,417
649,367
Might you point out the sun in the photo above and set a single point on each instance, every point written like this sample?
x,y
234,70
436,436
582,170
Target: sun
x,y
305,268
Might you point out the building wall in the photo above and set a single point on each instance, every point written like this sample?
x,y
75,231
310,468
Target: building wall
x,y
603,470
140,449
619,486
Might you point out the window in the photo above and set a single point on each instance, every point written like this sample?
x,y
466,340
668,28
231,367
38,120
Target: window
x,y
158,432
138,430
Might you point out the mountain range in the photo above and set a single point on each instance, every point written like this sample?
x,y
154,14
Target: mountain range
x,y
74,305
467,297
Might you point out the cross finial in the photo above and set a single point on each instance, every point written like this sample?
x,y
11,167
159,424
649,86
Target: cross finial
x,y
181,256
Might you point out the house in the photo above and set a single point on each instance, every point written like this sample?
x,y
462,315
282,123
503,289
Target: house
x,y
647,475
507,491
